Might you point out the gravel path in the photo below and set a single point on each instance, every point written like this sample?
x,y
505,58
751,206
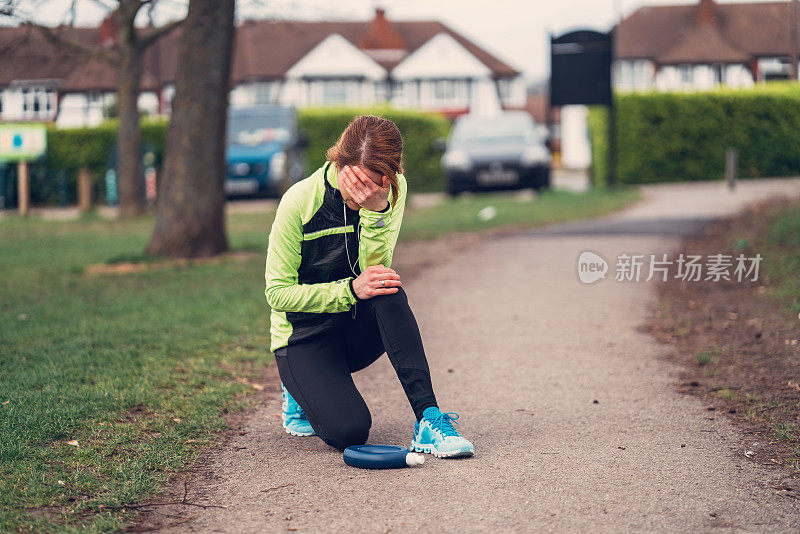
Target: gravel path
x,y
574,414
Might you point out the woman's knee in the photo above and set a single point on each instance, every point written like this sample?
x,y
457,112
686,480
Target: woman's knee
x,y
399,298
353,431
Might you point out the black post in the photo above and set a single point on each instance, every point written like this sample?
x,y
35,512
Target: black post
x,y
793,37
612,121
611,172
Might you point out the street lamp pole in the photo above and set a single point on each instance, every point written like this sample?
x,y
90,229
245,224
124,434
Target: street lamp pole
x,y
793,29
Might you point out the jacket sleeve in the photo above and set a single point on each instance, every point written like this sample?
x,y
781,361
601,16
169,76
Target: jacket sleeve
x,y
283,291
379,230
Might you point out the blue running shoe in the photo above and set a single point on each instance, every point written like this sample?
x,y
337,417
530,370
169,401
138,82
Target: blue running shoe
x,y
294,417
435,434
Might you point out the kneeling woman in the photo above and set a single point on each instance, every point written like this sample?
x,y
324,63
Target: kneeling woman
x,y
336,304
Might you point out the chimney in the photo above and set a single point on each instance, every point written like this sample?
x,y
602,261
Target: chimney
x,y
381,34
108,31
705,12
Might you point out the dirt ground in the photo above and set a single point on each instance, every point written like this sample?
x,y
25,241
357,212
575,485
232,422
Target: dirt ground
x,y
739,346
571,403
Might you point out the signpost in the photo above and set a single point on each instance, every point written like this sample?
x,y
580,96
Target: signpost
x,y
580,73
22,143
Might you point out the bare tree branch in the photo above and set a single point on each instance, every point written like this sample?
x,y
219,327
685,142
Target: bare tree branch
x,y
73,11
153,35
104,5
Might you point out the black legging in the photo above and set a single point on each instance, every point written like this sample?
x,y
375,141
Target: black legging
x,y
317,372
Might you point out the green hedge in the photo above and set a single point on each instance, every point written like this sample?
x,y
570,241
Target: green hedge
x,y
420,160
683,136
54,176
93,147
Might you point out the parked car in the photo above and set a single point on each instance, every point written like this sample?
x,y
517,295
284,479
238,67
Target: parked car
x,y
264,151
499,152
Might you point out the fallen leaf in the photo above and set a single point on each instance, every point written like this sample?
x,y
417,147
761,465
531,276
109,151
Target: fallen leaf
x,y
74,443
258,387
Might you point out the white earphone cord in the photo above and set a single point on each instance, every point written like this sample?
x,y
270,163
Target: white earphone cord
x,y
347,250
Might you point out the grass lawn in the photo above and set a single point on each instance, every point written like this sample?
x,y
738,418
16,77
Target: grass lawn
x,y
782,260
111,382
511,211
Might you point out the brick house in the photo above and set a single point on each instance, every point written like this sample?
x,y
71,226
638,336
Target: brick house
x,y
704,45
409,64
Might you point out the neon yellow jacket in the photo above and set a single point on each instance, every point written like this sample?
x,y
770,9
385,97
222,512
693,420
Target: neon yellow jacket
x,y
307,273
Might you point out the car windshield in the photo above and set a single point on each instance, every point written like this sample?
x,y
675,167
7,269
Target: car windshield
x,y
494,130
259,129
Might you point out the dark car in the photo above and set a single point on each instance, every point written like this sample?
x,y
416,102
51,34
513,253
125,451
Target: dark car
x,y
495,153
264,151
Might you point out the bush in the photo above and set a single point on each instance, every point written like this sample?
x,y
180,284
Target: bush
x,y
54,177
420,161
683,136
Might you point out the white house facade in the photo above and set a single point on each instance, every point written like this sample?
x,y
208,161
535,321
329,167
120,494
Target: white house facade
x,y
703,46
416,65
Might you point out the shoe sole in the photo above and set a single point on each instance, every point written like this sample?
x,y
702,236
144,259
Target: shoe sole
x,y
295,432
430,449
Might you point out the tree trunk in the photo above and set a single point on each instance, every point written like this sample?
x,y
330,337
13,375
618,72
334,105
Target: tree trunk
x,y
190,213
130,182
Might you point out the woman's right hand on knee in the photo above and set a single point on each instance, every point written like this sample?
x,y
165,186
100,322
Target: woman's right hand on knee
x,y
376,280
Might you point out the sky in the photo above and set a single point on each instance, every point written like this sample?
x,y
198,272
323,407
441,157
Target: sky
x,y
517,31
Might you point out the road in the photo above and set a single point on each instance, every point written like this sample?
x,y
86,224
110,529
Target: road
x,y
573,411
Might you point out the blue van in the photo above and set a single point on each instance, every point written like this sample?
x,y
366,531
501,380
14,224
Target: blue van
x,y
264,152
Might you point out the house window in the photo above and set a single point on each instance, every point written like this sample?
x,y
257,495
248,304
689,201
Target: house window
x,y
397,89
334,92
38,102
504,88
627,73
640,79
719,73
381,91
444,90
686,73
265,93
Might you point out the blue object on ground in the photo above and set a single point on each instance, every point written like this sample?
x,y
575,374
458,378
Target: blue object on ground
x,y
381,457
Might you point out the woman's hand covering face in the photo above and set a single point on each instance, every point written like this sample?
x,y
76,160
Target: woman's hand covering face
x,y
361,188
